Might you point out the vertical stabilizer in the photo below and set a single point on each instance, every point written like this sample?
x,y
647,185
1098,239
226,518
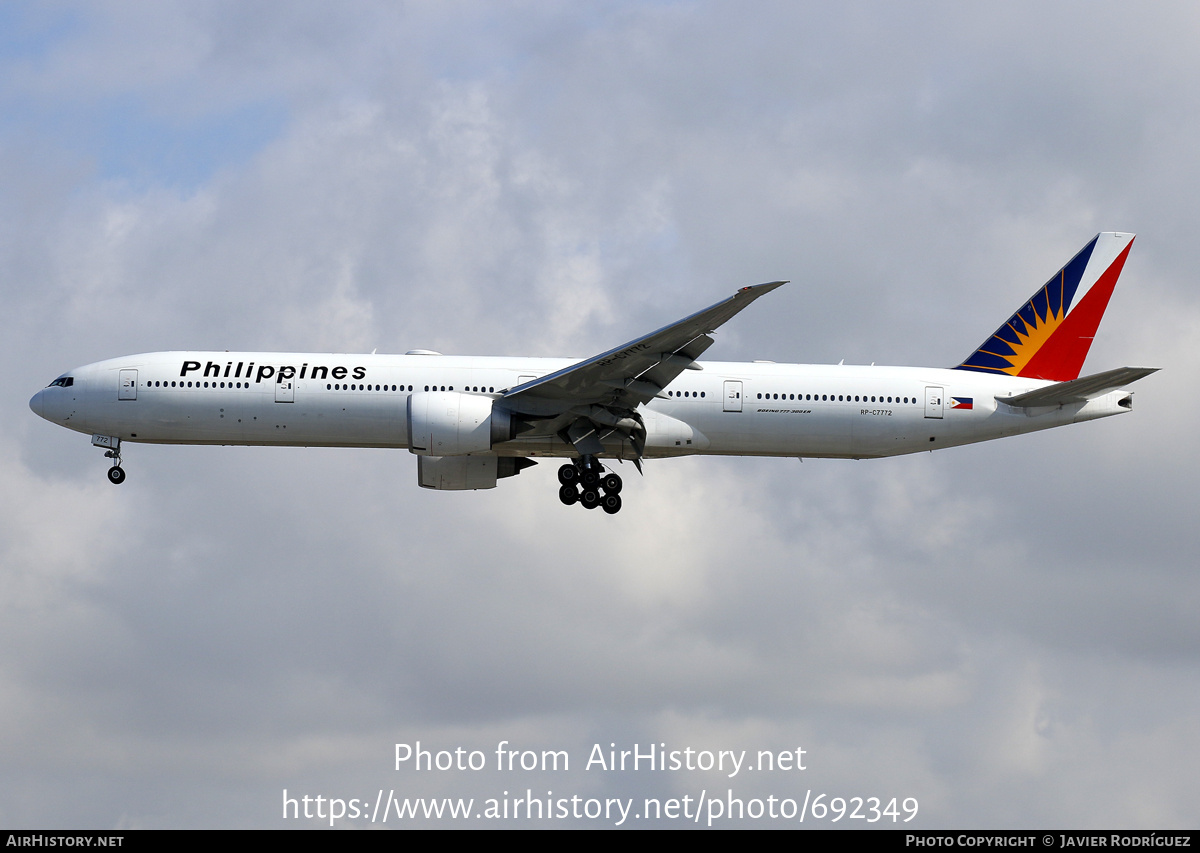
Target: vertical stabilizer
x,y
1050,335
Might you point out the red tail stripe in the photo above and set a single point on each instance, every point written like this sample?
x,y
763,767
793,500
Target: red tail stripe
x,y
1061,358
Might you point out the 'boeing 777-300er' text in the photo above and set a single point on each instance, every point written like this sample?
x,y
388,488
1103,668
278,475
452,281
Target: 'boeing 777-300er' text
x,y
472,421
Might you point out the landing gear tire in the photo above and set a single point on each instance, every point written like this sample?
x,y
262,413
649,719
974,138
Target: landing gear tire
x,y
585,482
116,475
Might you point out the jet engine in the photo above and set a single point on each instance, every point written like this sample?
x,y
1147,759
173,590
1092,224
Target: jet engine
x,y
450,423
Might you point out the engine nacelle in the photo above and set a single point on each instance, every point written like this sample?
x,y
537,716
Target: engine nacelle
x,y
450,423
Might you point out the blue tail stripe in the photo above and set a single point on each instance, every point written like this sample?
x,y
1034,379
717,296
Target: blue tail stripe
x,y
1027,315
1072,273
1006,333
999,347
1040,303
987,361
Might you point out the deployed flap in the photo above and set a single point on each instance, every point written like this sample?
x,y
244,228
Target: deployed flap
x,y
1079,390
583,435
633,373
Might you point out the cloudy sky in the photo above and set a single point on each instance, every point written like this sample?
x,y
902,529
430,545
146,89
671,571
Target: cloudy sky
x,y
1007,633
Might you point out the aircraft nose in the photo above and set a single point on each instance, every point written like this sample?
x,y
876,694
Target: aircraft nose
x,y
37,403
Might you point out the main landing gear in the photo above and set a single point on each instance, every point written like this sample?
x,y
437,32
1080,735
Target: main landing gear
x,y
584,482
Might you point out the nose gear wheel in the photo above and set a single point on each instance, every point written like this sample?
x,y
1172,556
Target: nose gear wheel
x,y
116,474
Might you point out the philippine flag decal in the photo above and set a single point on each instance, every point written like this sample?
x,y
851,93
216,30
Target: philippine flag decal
x,y
962,402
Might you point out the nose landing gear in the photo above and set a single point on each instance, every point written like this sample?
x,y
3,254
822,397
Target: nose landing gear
x,y
584,481
116,474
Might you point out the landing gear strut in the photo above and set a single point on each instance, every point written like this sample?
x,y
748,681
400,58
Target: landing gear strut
x,y
116,474
584,482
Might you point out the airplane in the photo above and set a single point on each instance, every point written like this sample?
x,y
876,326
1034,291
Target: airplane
x,y
472,421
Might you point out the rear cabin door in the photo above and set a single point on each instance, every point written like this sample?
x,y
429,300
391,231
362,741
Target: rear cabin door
x,y
933,401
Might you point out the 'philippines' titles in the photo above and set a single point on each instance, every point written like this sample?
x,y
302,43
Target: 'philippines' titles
x,y
282,373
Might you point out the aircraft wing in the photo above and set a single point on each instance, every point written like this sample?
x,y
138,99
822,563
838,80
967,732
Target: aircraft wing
x,y
1078,390
635,372
601,394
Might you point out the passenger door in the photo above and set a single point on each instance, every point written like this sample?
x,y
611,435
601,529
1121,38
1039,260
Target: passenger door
x,y
933,401
733,395
127,389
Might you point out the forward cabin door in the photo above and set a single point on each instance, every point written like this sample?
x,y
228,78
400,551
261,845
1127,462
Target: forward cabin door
x,y
127,389
285,391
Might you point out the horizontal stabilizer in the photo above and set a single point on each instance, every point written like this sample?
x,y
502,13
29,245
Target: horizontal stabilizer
x,y
1078,390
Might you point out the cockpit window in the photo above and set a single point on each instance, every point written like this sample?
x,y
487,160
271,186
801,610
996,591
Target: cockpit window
x,y
62,382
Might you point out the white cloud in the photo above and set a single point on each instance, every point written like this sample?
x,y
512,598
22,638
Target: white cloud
x,y
952,627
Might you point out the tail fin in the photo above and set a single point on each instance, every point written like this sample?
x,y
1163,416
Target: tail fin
x,y
1049,336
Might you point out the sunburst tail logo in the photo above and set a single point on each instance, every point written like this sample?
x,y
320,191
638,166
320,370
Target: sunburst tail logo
x,y
1050,335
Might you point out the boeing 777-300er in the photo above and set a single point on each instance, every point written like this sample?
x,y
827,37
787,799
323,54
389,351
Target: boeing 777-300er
x,y
472,421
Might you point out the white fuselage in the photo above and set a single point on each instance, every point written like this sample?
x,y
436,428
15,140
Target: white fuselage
x,y
726,408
